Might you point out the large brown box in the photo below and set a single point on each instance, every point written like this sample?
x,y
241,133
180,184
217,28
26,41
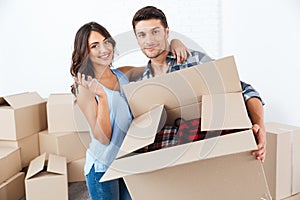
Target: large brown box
x,y
22,115
71,145
29,147
47,184
13,188
282,164
10,162
76,170
215,168
64,115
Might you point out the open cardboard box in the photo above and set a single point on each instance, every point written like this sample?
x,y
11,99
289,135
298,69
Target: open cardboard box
x,y
22,115
215,168
47,184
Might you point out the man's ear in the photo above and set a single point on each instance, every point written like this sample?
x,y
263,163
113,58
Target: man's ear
x,y
167,32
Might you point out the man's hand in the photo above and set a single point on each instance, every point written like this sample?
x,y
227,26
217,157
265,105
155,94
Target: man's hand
x,y
260,135
179,50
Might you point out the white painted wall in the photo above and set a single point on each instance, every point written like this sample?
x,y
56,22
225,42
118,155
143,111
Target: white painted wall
x,y
264,36
36,39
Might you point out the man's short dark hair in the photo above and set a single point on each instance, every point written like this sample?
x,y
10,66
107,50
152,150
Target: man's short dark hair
x,y
149,12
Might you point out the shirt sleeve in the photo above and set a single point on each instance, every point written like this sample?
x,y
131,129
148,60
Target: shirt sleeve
x,y
249,92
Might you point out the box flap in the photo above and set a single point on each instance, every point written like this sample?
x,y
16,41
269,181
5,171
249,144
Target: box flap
x,y
183,87
62,98
36,166
57,164
24,99
142,131
224,111
181,154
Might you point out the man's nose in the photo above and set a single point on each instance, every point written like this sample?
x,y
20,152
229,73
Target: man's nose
x,y
149,39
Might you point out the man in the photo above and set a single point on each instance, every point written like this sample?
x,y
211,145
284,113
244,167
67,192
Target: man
x,y
152,32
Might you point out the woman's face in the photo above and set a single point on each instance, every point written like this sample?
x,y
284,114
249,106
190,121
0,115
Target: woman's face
x,y
101,50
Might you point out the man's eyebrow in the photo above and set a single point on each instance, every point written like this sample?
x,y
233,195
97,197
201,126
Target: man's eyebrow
x,y
142,30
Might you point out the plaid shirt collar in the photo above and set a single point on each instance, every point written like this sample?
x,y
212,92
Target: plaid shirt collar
x,y
171,61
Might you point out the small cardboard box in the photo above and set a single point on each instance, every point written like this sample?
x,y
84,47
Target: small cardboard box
x,y
215,168
10,162
49,184
64,115
71,145
283,159
13,188
76,170
22,115
29,147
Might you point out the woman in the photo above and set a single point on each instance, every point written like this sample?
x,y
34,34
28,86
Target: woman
x,y
98,89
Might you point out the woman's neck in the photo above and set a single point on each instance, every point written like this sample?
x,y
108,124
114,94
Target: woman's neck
x,y
101,72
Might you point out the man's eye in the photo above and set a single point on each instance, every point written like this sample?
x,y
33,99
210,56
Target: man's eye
x,y
141,35
155,32
106,42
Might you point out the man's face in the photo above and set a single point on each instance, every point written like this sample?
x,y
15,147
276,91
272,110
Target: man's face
x,y
152,37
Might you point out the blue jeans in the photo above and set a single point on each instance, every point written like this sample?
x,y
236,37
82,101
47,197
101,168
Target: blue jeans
x,y
108,190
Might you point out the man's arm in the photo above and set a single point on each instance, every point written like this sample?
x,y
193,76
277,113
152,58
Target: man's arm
x,y
254,106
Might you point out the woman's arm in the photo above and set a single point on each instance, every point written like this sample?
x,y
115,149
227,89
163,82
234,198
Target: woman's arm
x,y
96,113
132,73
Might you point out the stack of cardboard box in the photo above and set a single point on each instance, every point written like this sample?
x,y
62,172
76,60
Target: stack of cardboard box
x,y
67,134
22,116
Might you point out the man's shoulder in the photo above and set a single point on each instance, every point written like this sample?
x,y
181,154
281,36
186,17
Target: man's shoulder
x,y
198,57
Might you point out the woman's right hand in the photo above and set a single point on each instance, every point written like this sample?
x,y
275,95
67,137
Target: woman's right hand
x,y
92,85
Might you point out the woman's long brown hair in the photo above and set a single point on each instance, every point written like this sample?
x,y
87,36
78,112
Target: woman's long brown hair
x,y
80,56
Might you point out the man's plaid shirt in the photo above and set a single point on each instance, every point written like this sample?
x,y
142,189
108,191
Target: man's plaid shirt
x,y
195,59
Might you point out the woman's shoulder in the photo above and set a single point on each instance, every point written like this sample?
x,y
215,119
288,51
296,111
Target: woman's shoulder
x,y
132,72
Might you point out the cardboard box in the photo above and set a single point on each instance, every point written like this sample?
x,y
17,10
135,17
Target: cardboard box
x,y
64,115
29,147
47,184
215,168
71,145
10,162
13,188
294,197
283,159
76,170
22,115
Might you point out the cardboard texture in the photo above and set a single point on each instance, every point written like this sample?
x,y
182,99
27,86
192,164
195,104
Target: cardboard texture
x,y
22,115
10,162
76,170
218,168
47,184
29,148
64,115
283,159
71,145
294,197
13,188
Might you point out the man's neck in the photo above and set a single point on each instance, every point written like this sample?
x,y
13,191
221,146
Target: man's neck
x,y
159,65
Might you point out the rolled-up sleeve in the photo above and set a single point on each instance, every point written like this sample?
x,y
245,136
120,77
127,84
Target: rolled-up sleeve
x,y
250,92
